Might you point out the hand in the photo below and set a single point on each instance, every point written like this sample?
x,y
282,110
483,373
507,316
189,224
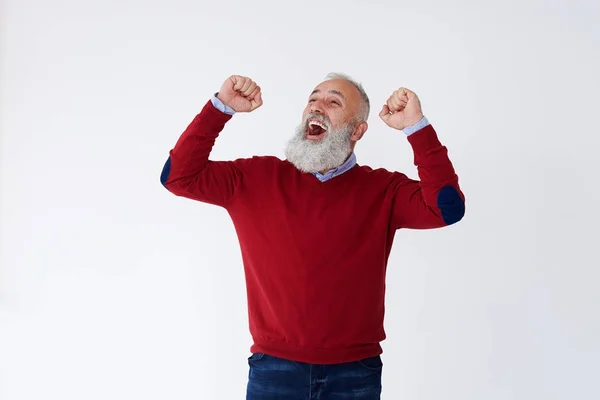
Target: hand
x,y
402,109
240,93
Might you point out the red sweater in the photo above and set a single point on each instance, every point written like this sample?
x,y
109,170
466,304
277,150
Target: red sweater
x,y
314,253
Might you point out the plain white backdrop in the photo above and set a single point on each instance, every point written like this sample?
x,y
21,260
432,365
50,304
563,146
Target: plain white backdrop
x,y
112,288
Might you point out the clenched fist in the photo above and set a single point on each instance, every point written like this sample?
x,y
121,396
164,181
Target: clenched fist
x,y
240,93
402,109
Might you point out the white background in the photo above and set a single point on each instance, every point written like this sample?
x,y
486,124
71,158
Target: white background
x,y
112,288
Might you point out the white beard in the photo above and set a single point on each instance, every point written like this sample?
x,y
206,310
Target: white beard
x,y
314,156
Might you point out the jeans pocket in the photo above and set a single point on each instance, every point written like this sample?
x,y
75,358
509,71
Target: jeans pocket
x,y
371,363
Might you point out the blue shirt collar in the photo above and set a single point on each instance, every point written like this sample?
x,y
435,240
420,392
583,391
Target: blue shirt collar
x,y
349,163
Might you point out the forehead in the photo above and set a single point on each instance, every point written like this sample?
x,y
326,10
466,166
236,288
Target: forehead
x,y
338,87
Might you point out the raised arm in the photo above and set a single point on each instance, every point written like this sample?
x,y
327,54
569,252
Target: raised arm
x,y
188,172
435,200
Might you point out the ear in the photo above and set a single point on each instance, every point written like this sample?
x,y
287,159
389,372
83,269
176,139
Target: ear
x,y
359,131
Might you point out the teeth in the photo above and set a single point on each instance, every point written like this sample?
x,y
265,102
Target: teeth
x,y
318,123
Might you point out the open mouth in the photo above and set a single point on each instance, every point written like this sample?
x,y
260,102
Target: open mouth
x,y
316,129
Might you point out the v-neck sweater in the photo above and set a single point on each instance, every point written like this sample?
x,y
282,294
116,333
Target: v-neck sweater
x,y
314,253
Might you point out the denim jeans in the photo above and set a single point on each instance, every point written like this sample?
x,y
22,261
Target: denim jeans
x,y
273,378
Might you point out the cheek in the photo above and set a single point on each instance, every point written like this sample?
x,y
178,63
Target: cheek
x,y
337,121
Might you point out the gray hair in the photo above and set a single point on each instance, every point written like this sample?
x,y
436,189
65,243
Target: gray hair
x,y
365,107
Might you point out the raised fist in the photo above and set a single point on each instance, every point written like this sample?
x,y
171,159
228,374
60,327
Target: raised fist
x,y
401,109
240,93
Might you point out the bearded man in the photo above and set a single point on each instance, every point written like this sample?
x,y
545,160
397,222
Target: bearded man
x,y
316,230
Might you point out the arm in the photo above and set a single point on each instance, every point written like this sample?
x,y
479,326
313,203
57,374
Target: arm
x,y
188,172
435,200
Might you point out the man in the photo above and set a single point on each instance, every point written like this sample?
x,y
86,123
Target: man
x,y
316,230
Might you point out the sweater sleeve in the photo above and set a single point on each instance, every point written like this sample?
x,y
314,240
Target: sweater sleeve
x,y
189,173
435,200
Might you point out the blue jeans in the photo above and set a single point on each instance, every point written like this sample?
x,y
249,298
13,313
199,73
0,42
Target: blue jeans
x,y
273,378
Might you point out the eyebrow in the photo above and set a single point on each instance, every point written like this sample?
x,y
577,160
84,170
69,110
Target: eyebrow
x,y
336,92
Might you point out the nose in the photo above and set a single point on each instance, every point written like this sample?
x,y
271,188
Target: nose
x,y
315,108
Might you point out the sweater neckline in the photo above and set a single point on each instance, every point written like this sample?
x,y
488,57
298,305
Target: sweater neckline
x,y
330,182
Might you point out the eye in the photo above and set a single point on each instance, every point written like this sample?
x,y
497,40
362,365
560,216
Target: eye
x,y
335,102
